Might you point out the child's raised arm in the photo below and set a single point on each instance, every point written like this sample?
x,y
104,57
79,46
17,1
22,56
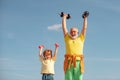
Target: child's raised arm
x,y
40,52
56,50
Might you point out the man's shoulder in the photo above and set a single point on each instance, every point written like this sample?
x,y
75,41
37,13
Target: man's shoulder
x,y
67,36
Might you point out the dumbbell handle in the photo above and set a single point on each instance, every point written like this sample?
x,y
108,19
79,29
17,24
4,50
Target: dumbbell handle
x,y
68,17
62,14
85,14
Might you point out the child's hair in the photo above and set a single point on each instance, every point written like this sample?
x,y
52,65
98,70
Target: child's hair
x,y
46,51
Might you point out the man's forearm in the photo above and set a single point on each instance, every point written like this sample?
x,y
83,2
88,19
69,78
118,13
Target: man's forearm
x,y
85,23
64,26
84,26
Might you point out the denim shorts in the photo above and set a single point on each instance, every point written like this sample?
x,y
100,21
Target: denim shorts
x,y
47,77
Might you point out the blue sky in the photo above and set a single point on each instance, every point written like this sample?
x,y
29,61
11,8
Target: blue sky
x,y
25,24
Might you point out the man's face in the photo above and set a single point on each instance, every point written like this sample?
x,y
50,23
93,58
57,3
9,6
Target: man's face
x,y
74,33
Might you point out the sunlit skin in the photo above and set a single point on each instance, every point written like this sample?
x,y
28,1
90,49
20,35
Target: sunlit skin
x,y
73,30
47,54
74,33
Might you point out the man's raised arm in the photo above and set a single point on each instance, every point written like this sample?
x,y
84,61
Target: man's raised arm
x,y
64,27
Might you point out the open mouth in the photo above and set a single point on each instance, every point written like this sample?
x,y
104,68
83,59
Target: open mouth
x,y
74,36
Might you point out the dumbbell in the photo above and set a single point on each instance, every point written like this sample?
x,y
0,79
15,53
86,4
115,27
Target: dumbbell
x,y
41,46
68,17
56,45
85,14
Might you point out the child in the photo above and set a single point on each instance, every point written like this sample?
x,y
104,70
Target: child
x,y
47,69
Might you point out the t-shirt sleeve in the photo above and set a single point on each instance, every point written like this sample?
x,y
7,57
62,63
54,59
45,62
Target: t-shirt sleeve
x,y
54,58
66,37
82,37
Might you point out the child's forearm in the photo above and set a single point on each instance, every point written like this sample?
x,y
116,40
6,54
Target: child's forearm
x,y
56,51
40,55
56,48
40,48
40,52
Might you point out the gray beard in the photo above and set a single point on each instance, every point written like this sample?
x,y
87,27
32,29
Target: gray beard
x,y
74,37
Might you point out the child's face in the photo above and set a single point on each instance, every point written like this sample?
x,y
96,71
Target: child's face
x,y
47,54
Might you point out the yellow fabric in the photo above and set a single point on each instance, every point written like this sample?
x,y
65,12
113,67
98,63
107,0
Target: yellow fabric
x,y
74,47
72,61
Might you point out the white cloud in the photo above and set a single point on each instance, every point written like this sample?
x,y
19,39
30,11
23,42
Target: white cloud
x,y
55,27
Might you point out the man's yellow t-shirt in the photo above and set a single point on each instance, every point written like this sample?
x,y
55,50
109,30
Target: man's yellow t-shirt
x,y
74,46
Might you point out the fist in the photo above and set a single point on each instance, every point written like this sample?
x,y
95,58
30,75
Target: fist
x,y
40,47
56,45
85,14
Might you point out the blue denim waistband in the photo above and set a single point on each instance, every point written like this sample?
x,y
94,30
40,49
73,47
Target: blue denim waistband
x,y
47,77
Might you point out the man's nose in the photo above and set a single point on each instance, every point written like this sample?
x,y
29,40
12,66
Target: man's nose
x,y
73,32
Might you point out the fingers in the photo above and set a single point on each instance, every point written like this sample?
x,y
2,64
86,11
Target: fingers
x,y
65,15
56,45
41,47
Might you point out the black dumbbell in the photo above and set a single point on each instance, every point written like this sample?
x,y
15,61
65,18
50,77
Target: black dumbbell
x,y
85,14
68,17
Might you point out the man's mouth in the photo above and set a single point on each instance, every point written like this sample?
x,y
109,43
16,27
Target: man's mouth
x,y
74,36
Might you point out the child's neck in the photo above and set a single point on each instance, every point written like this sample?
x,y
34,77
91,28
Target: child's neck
x,y
47,58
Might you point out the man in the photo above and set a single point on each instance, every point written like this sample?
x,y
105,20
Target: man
x,y
74,42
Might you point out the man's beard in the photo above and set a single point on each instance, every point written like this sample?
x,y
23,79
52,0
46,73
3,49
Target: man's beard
x,y
74,36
